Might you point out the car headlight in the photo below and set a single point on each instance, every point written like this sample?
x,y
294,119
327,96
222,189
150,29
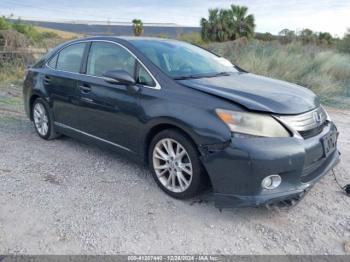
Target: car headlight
x,y
252,124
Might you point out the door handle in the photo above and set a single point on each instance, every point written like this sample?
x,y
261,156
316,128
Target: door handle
x,y
85,88
47,80
89,100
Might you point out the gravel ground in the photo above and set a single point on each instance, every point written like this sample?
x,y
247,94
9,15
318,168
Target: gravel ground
x,y
66,197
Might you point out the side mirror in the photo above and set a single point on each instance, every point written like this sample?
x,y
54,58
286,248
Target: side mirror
x,y
119,77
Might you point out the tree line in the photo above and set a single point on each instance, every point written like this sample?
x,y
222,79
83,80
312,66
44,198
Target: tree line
x,y
235,22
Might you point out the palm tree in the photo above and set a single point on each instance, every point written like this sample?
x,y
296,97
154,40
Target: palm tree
x,y
244,24
205,29
227,24
211,27
137,27
213,24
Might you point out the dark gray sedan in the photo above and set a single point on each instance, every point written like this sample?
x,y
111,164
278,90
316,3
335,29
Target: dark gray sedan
x,y
196,119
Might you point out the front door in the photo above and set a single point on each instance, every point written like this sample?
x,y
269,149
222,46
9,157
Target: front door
x,y
109,111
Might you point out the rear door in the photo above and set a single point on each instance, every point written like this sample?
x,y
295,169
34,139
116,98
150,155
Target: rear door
x,y
61,80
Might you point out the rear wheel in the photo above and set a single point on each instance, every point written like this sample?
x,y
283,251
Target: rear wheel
x,y
175,164
42,119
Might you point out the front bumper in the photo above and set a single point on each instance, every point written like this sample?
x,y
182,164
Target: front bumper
x,y
236,171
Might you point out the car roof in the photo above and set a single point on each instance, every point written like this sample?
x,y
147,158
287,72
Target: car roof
x,y
126,38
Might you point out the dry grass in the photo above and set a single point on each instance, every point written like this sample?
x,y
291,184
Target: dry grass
x,y
324,71
12,70
11,73
62,34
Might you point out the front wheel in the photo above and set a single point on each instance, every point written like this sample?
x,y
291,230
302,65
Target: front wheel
x,y
175,164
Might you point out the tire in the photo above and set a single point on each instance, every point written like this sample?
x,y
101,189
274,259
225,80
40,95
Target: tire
x,y
164,169
43,120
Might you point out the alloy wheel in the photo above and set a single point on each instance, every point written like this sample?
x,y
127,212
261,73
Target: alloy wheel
x,y
172,165
41,119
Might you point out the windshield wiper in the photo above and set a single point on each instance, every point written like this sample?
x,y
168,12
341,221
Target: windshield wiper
x,y
202,76
189,77
221,74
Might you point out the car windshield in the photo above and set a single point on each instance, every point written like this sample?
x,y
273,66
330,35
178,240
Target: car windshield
x,y
180,60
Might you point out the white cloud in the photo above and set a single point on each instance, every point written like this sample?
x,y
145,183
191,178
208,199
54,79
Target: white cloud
x,y
271,15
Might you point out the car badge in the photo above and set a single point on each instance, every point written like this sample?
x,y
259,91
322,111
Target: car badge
x,y
317,117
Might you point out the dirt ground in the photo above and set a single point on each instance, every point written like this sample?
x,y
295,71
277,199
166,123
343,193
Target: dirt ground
x,y
66,197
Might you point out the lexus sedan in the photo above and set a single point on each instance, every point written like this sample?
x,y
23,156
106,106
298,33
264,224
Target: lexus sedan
x,y
196,119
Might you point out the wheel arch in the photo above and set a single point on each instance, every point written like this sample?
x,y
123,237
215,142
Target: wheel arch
x,y
31,103
154,130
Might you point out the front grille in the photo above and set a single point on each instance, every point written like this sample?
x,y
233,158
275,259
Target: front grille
x,y
312,132
308,124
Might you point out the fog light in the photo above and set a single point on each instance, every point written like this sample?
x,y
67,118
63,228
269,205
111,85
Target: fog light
x,y
271,182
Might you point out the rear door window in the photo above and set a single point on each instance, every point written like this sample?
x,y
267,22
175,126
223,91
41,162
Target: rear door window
x,y
70,58
52,63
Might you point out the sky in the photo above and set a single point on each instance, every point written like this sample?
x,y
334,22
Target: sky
x,y
270,15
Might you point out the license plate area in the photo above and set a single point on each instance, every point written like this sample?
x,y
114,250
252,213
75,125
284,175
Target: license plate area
x,y
329,143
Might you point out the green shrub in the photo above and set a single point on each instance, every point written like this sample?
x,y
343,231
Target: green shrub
x,y
11,71
265,36
4,24
343,45
49,35
27,29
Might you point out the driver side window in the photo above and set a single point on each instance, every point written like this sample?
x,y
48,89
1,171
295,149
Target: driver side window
x,y
107,56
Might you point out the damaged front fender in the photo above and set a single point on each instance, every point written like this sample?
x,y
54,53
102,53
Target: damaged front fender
x,y
206,150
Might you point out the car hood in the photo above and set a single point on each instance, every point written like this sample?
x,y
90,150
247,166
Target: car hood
x,y
257,93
